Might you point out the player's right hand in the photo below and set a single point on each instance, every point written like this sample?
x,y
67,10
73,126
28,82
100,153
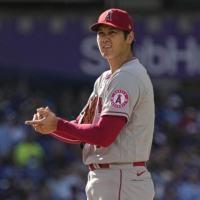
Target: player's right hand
x,y
44,121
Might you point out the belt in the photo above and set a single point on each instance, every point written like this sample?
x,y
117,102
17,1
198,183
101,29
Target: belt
x,y
94,166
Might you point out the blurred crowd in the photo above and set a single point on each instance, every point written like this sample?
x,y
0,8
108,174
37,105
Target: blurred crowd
x,y
39,167
175,156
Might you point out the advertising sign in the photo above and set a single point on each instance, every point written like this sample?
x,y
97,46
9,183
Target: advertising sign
x,y
73,52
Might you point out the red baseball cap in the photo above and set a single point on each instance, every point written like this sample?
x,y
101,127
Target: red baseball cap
x,y
116,18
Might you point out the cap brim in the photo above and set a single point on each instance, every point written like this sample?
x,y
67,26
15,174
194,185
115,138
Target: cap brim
x,y
95,26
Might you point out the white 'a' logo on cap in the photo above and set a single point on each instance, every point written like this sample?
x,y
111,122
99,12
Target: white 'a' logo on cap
x,y
109,16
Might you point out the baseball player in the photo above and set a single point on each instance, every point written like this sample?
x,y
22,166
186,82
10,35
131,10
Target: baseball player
x,y
115,128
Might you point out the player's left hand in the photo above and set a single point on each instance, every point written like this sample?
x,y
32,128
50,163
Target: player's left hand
x,y
45,121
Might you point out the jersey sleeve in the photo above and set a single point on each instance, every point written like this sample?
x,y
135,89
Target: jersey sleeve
x,y
123,94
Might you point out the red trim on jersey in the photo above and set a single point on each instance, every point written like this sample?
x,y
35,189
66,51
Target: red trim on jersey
x,y
108,76
102,134
131,59
120,185
107,112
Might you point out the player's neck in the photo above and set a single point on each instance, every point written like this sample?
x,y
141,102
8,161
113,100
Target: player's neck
x,y
117,62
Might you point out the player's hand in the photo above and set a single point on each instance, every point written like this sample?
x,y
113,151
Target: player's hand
x,y
44,121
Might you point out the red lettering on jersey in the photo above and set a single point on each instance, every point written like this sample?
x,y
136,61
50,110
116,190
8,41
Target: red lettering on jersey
x,y
100,105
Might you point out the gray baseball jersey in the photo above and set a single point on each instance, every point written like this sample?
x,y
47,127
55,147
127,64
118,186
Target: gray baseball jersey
x,y
127,92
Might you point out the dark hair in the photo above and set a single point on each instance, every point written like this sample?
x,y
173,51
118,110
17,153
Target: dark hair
x,y
125,36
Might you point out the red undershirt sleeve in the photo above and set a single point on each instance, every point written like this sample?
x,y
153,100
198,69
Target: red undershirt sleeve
x,y
102,134
63,137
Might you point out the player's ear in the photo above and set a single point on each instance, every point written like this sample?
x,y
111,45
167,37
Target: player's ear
x,y
130,37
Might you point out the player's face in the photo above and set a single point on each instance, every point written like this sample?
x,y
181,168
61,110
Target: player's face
x,y
111,42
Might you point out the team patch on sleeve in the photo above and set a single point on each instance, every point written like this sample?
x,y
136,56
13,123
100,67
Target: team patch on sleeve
x,y
119,98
